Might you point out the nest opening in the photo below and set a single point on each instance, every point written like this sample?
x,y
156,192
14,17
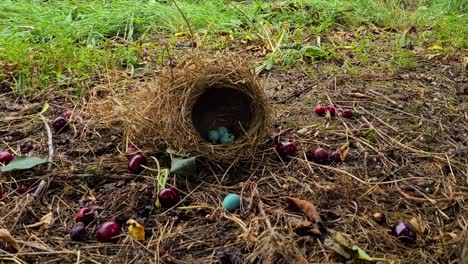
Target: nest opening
x,y
224,106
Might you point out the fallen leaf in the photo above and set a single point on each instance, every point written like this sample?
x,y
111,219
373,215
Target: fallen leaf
x,y
184,167
342,246
23,163
343,150
361,254
435,47
44,223
296,222
44,108
6,236
309,210
136,230
38,245
341,240
416,226
330,243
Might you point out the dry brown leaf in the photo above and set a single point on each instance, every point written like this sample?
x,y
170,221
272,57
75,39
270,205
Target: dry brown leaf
x,y
6,236
296,223
44,223
343,150
306,207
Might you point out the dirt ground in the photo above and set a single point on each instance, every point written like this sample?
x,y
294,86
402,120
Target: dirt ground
x,y
413,163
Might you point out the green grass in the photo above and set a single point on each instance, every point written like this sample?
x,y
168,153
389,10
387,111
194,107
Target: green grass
x,y
49,44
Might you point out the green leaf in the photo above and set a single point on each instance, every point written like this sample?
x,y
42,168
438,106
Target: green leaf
x,y
23,163
44,108
183,167
313,52
361,254
342,246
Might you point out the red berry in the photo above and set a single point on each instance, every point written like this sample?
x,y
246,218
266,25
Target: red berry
x,y
60,124
320,110
22,189
84,215
134,166
286,149
168,197
67,114
320,155
107,231
5,157
336,156
347,113
331,110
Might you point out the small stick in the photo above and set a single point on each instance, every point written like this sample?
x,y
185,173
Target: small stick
x,y
50,145
417,199
297,94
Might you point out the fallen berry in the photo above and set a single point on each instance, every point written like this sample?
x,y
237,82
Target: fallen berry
x,y
107,231
331,110
5,157
26,147
347,113
78,232
320,110
60,124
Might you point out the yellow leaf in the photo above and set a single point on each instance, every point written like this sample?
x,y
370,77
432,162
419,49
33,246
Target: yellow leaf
x,y
343,150
6,236
435,47
136,230
417,227
180,34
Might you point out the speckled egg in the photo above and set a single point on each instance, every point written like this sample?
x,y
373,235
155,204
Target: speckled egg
x,y
231,202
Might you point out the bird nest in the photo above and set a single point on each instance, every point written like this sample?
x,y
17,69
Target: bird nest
x,y
181,107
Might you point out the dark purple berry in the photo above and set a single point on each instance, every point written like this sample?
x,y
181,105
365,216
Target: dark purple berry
x,y
404,231
60,124
78,232
286,149
135,164
168,197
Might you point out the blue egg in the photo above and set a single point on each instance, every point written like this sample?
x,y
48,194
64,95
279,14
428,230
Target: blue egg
x,y
213,136
223,130
226,139
231,202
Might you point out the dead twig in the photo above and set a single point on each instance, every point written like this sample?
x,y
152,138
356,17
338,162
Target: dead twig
x,y
50,145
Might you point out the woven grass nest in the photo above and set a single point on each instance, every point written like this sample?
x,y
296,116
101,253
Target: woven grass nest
x,y
185,103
